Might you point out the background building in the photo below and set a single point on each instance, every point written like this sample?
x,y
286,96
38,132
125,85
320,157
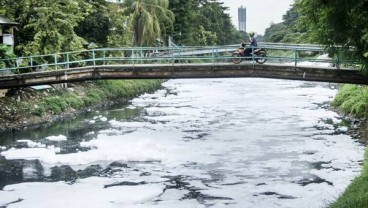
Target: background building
x,y
242,18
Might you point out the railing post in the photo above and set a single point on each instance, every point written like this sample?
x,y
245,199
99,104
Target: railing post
x,y
67,60
55,61
17,65
94,57
141,55
295,57
133,56
213,56
337,60
180,52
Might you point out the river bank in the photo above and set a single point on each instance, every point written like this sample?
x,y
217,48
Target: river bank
x,y
30,107
352,100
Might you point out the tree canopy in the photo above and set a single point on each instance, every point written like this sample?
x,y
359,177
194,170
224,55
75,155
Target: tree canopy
x,y
339,22
147,19
203,22
52,26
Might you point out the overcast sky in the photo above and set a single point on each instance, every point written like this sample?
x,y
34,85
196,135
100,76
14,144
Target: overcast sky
x,y
260,13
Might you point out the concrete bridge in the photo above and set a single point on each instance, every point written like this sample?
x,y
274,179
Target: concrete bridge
x,y
177,63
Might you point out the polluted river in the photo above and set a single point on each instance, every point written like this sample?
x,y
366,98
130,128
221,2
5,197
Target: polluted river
x,y
193,143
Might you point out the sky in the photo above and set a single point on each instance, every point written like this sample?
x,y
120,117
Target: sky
x,y
260,13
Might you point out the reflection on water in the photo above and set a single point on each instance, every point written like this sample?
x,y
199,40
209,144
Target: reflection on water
x,y
195,143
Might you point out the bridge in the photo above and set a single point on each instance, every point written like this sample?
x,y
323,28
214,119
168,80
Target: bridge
x,y
295,62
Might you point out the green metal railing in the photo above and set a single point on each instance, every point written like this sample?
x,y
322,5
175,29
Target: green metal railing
x,y
277,53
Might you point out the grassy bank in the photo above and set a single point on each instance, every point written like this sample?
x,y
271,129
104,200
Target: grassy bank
x,y
29,107
353,100
101,91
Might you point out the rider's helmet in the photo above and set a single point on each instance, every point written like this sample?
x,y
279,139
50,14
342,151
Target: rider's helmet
x,y
251,34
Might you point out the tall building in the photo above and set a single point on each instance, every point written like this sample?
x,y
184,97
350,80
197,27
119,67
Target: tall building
x,y
242,18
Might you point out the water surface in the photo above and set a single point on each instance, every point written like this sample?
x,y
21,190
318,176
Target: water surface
x,y
194,143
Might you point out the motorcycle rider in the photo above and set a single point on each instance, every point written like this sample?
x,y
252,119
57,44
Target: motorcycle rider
x,y
253,44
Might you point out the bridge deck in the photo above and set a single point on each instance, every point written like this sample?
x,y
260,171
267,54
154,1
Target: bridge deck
x,y
179,71
142,63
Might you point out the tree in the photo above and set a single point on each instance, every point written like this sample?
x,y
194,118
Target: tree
x,y
183,30
147,19
54,24
119,33
338,22
95,27
202,22
47,26
276,32
291,30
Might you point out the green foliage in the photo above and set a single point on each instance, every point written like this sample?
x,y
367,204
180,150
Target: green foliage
x,y
206,37
276,32
356,195
54,104
352,99
95,27
338,22
39,111
103,91
74,101
54,25
120,34
291,30
212,23
96,95
147,19
5,53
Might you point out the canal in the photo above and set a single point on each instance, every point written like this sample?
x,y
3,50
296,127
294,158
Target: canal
x,y
193,143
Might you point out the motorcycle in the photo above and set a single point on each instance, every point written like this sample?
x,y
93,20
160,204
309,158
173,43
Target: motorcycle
x,y
259,55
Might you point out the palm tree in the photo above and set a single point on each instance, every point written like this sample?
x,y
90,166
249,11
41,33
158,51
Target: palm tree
x,y
147,19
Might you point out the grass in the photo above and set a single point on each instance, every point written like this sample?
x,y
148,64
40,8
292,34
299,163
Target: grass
x,y
353,100
356,195
102,91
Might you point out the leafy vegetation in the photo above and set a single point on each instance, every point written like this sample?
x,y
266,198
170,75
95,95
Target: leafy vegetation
x,y
147,19
339,22
291,30
212,23
53,26
101,92
353,100
5,53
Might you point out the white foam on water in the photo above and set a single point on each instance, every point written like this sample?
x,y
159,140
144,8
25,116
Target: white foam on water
x,y
31,143
30,153
104,148
248,142
57,138
88,192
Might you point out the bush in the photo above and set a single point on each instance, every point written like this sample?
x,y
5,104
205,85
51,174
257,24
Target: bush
x,y
74,101
104,90
352,99
55,104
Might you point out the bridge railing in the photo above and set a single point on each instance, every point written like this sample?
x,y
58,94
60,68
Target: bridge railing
x,y
277,53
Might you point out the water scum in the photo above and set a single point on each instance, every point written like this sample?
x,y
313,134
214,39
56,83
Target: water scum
x,y
208,143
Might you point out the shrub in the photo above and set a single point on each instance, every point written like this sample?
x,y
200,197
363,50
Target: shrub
x,y
352,99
